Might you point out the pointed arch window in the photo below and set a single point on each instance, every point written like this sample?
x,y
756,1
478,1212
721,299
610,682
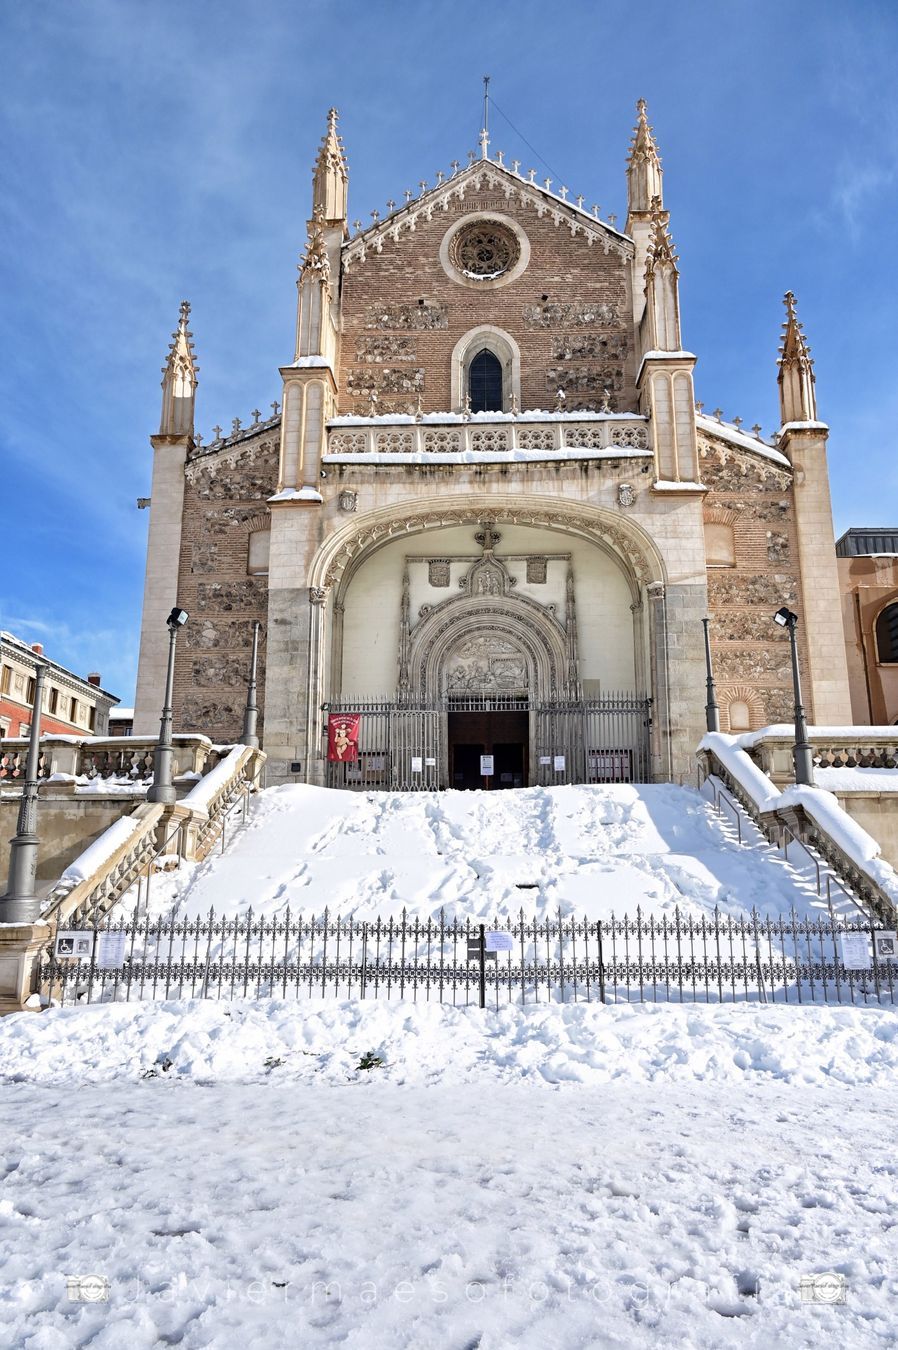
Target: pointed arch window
x,y
485,382
887,635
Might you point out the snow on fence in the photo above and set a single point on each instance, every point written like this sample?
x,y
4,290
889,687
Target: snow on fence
x,y
681,959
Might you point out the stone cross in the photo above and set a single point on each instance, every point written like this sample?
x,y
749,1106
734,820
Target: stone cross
x,y
216,431
235,426
275,407
516,166
757,429
454,166
256,415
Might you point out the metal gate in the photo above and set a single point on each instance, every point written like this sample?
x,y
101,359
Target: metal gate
x,y
403,744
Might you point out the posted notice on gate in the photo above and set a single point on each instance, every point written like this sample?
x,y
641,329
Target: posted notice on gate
x,y
498,942
558,763
855,951
486,766
110,950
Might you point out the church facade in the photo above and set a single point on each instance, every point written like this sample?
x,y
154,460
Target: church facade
x,y
486,521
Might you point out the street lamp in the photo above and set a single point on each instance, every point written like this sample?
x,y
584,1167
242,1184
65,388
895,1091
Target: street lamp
x,y
251,712
20,904
163,790
712,711
802,753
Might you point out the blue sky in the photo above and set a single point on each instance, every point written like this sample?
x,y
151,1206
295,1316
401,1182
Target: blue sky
x,y
155,152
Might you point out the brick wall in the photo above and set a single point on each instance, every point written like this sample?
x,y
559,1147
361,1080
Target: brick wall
x,y
402,317
224,499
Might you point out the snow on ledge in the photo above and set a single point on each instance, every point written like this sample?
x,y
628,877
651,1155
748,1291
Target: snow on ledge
x,y
670,485
481,418
488,456
730,433
198,798
100,851
304,494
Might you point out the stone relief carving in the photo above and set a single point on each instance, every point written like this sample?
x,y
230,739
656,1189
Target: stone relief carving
x,y
626,495
438,571
486,662
348,500
536,571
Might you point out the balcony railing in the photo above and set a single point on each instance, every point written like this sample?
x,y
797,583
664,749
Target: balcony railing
x,y
114,759
457,436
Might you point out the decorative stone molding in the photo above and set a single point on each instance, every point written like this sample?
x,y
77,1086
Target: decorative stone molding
x,y
626,495
468,240
438,572
537,569
348,500
318,595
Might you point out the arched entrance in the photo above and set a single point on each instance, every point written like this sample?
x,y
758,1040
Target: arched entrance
x,y
433,624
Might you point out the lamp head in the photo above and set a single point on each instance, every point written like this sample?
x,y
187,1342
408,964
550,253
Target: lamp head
x,y
177,618
785,618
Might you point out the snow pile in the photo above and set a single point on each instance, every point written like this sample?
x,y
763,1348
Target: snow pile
x,y
546,1045
97,854
588,851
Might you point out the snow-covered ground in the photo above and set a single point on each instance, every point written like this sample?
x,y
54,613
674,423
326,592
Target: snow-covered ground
x,y
589,851
558,1178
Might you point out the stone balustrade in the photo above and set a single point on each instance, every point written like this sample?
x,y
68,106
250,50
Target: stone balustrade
x,y
116,759
486,434
833,748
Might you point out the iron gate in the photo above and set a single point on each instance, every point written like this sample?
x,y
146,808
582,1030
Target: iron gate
x,y
403,744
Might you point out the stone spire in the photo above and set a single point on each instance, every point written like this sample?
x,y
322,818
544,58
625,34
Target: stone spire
x,y
644,171
798,395
330,180
662,299
179,380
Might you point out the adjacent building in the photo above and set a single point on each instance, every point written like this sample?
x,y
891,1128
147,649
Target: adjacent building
x,y
868,578
71,704
485,521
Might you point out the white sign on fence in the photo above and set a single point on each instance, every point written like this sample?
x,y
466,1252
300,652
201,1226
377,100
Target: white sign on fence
x,y
417,764
73,945
486,766
499,942
558,764
431,762
855,951
545,760
885,945
110,951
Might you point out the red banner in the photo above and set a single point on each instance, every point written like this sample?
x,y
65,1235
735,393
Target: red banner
x,y
343,737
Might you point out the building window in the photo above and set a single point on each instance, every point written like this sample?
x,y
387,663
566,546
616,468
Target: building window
x,y
720,547
887,635
53,701
29,692
73,710
258,553
92,719
485,382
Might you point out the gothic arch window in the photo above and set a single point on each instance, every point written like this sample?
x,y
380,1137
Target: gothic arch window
x,y
486,366
887,635
485,382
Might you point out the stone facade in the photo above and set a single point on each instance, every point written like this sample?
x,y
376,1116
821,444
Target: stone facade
x,y
488,475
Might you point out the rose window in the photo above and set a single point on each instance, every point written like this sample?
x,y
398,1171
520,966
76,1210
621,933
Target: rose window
x,y
484,251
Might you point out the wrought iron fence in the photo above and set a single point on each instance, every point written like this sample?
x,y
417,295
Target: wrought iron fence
x,y
713,958
403,745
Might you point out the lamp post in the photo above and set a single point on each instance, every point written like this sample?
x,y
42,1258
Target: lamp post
x,y
712,711
163,789
251,712
802,753
20,904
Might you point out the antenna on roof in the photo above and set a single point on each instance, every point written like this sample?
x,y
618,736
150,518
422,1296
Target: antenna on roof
x,y
485,132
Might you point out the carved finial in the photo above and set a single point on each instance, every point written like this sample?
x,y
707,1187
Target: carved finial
x,y
375,215
466,409
798,394
330,175
595,210
419,406
372,403
391,205
644,171
560,400
216,432
198,439
562,192
315,260
757,430
579,200
514,404
500,157
612,219
605,405
440,176
235,426
275,407
455,166
256,416
179,379
547,183
472,155
699,406
531,174
516,166
357,225
737,422
408,194
718,413
422,184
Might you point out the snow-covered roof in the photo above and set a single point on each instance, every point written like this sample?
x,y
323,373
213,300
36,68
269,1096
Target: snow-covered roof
x,y
725,431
